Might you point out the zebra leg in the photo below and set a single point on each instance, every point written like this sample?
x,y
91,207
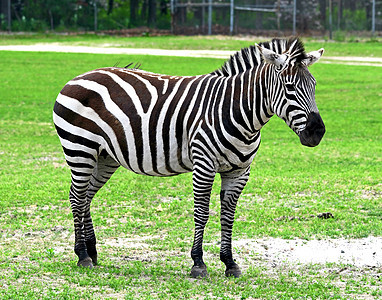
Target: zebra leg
x,y
105,168
78,201
203,179
231,188
88,176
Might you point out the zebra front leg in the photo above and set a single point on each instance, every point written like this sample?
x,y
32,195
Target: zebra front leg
x,y
202,185
231,187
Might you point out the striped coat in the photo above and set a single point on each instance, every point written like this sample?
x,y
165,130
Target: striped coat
x,y
162,125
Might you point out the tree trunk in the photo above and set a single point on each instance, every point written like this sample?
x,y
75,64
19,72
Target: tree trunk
x,y
301,18
144,10
163,7
110,6
152,17
133,13
323,13
339,16
352,5
258,19
51,20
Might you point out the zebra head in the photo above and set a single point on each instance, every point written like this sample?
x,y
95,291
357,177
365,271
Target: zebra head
x,y
293,96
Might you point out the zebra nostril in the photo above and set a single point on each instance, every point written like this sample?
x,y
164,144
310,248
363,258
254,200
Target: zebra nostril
x,y
315,123
321,131
314,130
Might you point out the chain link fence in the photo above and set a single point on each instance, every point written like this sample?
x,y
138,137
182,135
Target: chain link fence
x,y
264,17
334,18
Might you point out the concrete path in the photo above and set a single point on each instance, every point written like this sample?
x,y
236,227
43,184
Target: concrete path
x,y
223,54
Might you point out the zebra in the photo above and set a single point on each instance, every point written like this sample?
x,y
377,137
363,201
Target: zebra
x,y
161,125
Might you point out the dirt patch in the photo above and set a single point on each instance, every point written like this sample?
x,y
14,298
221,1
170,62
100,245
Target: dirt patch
x,y
360,253
223,54
343,263
355,255
365,252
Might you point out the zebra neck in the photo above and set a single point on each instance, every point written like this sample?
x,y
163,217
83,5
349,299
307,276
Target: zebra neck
x,y
247,101
263,87
234,106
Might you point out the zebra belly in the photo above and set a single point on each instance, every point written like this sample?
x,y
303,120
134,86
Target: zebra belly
x,y
158,161
161,169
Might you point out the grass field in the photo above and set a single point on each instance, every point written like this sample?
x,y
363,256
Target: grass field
x,y
144,225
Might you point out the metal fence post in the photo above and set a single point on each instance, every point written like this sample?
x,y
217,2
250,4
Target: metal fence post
x,y
231,17
209,17
294,17
373,18
330,20
9,16
172,11
203,17
95,15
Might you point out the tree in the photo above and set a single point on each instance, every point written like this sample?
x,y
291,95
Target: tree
x,y
110,5
307,15
323,12
133,13
144,10
152,15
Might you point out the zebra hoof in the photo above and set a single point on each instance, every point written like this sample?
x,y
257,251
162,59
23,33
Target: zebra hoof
x,y
199,271
233,271
86,262
94,259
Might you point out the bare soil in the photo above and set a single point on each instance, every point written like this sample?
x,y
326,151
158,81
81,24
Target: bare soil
x,y
224,54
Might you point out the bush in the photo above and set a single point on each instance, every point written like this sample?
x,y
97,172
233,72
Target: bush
x,y
339,36
355,20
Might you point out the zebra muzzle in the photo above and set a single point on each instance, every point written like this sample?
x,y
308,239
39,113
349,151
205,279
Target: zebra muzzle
x,y
314,131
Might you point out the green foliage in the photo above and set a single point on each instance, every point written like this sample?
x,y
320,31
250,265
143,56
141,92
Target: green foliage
x,y
339,36
117,19
355,20
41,15
72,15
144,224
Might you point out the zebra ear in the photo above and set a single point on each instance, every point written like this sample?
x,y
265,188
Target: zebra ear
x,y
312,57
272,57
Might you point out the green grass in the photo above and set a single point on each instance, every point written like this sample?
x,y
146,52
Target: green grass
x,y
144,224
363,47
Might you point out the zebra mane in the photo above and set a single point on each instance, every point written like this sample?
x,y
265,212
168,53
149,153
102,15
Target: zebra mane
x,y
131,67
251,57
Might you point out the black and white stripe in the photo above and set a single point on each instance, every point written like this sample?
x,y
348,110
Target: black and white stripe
x,y
163,125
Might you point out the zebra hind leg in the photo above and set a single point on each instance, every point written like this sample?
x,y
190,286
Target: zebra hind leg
x,y
231,188
88,176
104,169
77,196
